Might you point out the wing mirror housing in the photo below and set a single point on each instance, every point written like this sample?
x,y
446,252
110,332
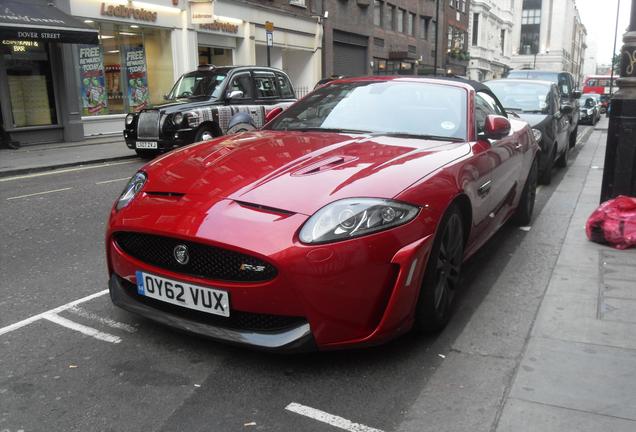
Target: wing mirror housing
x,y
576,94
234,94
496,127
566,109
273,114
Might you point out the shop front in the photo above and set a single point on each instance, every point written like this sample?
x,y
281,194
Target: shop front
x,y
217,41
36,42
132,65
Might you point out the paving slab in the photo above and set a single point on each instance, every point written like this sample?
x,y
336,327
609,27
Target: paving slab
x,y
523,416
585,377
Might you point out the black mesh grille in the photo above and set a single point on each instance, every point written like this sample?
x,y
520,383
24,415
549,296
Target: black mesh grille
x,y
237,320
148,125
204,261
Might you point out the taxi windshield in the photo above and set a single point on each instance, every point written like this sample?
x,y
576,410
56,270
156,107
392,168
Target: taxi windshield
x,y
197,84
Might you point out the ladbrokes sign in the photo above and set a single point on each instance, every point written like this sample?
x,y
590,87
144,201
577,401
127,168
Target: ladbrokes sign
x,y
122,11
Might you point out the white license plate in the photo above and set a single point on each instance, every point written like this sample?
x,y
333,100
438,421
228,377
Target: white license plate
x,y
146,144
183,294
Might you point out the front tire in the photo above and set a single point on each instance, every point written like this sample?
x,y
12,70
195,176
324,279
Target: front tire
x,y
204,134
545,177
562,161
523,214
442,274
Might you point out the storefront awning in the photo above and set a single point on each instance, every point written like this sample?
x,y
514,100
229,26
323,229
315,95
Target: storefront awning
x,y
34,22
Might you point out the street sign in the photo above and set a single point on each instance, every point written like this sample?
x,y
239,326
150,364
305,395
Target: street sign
x,y
270,39
269,26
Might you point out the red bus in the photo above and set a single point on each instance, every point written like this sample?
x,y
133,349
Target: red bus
x,y
599,84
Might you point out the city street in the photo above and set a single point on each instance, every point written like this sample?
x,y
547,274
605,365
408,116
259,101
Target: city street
x,y
73,362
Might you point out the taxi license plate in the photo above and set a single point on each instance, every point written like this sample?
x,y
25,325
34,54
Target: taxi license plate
x,y
183,294
146,144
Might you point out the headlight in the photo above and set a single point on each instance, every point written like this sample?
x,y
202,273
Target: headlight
x,y
177,119
354,217
590,112
132,188
129,118
537,135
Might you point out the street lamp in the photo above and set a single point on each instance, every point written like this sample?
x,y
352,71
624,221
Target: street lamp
x,y
619,173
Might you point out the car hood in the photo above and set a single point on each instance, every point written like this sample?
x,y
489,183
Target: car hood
x,y
534,119
298,172
183,104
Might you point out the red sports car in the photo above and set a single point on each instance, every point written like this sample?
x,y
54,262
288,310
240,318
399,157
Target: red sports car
x,y
343,222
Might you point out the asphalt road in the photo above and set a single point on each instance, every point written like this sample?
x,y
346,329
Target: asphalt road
x,y
93,367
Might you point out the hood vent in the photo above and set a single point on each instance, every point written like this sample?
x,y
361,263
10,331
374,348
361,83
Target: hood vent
x,y
324,165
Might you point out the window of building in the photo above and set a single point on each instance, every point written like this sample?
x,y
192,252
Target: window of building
x,y
462,6
450,37
379,42
377,12
129,70
411,24
390,17
502,41
379,66
475,29
531,16
424,22
215,56
400,20
412,49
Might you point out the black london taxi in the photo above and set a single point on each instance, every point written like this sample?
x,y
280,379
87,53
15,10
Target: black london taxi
x,y
207,103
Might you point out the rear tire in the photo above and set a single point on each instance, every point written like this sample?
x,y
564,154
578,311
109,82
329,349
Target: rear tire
x,y
562,161
523,214
545,177
442,274
573,136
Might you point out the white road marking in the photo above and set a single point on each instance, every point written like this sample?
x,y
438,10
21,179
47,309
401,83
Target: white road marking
x,y
58,309
112,181
330,419
65,170
39,193
88,331
106,321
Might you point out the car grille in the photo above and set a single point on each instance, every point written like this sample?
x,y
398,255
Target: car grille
x,y
204,261
148,125
237,320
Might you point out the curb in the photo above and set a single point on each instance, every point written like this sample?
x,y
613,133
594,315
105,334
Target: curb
x,y
22,171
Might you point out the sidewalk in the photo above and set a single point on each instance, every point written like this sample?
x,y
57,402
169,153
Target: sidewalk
x,y
578,369
552,347
43,157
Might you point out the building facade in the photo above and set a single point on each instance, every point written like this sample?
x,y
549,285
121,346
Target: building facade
x,y
455,36
548,34
490,29
382,37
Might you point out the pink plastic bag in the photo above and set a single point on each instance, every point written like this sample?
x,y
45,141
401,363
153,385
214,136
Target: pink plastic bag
x,y
614,223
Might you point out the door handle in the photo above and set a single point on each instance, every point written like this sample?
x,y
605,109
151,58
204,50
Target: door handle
x,y
484,189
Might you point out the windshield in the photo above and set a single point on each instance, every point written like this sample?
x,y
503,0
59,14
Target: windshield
x,y
387,107
583,100
197,84
522,96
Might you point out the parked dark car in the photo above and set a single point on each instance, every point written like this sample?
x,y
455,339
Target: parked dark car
x,y
569,96
538,103
591,106
207,103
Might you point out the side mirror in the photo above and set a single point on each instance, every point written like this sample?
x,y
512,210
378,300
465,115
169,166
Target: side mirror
x,y
165,97
273,114
496,127
234,94
576,94
566,109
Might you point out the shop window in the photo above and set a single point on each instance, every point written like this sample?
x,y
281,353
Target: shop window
x,y
30,83
265,85
128,71
215,56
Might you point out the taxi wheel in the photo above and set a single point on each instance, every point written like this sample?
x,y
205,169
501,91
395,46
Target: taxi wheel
x,y
205,134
